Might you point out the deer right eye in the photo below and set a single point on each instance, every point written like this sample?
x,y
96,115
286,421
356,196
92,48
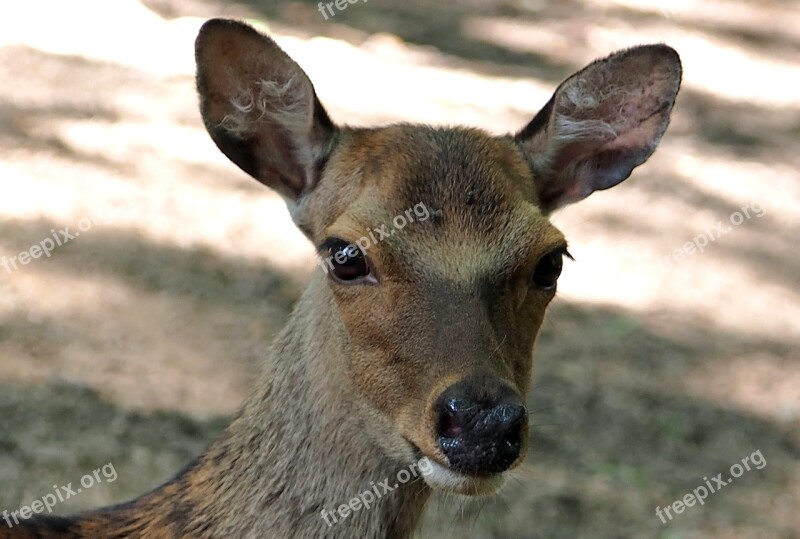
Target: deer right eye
x,y
346,261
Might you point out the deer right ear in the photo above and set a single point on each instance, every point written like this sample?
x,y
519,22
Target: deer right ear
x,y
260,108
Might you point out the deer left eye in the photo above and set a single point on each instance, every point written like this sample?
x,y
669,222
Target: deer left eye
x,y
548,269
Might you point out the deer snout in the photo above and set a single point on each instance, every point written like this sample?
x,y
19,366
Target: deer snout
x,y
478,434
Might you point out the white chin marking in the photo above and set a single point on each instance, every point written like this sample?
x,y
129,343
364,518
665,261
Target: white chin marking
x,y
441,478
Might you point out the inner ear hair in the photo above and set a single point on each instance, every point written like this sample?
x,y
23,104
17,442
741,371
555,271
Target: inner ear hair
x,y
260,107
601,123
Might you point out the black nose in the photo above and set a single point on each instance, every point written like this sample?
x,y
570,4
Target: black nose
x,y
480,431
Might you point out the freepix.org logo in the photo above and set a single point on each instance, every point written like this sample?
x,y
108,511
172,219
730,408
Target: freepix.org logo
x,y
375,235
368,497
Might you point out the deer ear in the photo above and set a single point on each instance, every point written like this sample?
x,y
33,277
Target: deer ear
x,y
601,123
260,107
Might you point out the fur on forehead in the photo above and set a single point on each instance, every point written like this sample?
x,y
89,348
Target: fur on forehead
x,y
462,174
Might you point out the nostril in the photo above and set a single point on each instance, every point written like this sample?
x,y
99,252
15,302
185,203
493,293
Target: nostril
x,y
513,434
511,413
451,426
454,416
510,416
508,420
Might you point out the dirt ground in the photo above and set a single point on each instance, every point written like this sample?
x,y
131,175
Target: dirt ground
x,y
135,341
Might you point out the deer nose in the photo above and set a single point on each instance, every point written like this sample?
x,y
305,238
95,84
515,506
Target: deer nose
x,y
480,435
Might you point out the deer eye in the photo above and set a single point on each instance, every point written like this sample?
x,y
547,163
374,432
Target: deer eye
x,y
346,261
548,269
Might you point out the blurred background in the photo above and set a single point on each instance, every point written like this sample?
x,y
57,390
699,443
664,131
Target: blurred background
x,y
135,341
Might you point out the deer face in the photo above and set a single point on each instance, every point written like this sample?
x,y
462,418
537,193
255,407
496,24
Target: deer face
x,y
440,313
436,246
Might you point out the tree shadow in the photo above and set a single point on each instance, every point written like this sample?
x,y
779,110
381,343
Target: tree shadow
x,y
424,23
57,432
195,274
16,130
753,36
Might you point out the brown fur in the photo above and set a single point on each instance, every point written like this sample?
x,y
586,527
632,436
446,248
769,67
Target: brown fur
x,y
348,390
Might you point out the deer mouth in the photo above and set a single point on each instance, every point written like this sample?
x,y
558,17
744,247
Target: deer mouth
x,y
441,477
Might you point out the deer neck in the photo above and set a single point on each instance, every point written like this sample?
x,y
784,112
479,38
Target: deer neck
x,y
298,446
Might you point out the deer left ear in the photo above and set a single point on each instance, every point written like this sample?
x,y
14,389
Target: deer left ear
x,y
601,123
260,108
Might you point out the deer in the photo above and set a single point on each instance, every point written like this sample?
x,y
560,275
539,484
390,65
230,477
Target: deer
x,y
418,348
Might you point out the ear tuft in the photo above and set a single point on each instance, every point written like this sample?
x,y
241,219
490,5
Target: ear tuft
x,y
601,123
